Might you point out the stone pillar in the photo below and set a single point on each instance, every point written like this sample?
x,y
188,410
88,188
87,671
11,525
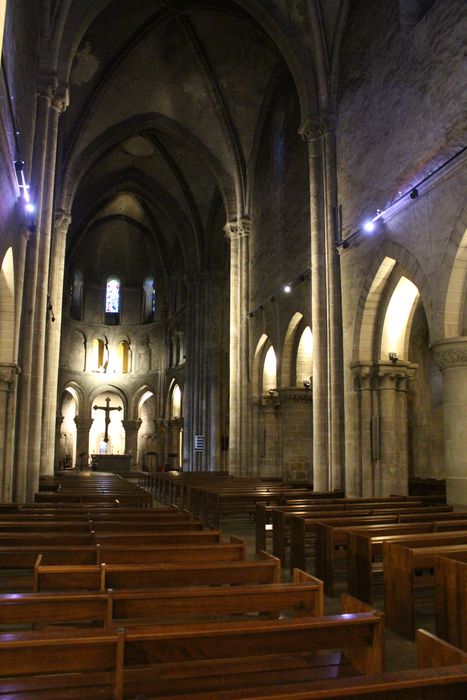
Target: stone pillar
x,y
451,356
131,428
54,323
328,401
364,480
8,382
173,437
83,426
57,107
51,101
297,438
393,440
238,234
58,426
271,462
203,380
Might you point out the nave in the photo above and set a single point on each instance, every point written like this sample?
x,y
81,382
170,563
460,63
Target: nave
x,y
109,592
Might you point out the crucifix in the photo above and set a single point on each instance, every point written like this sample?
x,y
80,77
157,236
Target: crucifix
x,y
107,410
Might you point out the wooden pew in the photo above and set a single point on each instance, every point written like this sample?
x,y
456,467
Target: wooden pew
x,y
302,528
302,597
400,563
74,578
365,551
451,598
442,675
285,525
195,657
332,543
25,556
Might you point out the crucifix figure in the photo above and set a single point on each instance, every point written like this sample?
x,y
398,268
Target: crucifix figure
x,y
107,410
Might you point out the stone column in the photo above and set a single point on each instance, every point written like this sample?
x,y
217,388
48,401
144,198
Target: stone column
x,y
313,135
58,426
451,356
203,380
364,479
328,406
8,381
83,426
238,234
131,428
297,438
393,443
54,323
271,462
174,427
26,356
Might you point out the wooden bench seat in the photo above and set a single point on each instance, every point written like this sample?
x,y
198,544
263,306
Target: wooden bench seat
x,y
193,657
365,550
451,598
302,597
401,561
73,578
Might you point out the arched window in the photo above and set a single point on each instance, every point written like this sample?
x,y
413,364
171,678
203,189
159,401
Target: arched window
x,y
269,371
112,300
149,300
124,356
176,407
99,360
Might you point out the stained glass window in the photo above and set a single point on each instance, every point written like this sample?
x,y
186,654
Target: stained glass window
x,y
112,296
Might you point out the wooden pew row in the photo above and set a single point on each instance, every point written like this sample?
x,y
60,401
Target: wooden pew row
x,y
451,598
442,675
281,517
191,657
139,576
302,597
401,562
24,557
266,516
301,528
365,550
335,541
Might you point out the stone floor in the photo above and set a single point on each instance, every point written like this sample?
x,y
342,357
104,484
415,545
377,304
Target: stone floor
x,y
400,654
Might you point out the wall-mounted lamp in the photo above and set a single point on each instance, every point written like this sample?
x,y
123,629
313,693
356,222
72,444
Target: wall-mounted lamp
x,y
307,384
287,288
393,357
272,392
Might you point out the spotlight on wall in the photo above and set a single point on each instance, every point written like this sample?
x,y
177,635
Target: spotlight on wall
x,y
30,208
307,384
369,226
414,193
393,357
287,288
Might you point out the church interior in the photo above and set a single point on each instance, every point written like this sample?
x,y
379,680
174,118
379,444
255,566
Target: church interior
x,y
233,249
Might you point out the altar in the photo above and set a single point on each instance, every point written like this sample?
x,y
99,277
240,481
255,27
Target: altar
x,y
116,464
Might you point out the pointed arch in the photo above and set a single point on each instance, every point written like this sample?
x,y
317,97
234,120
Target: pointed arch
x,y
7,308
289,350
260,351
454,307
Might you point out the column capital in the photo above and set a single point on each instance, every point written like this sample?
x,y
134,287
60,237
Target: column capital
x,y
62,221
8,374
131,425
451,352
392,376
60,98
83,423
237,229
317,126
46,85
